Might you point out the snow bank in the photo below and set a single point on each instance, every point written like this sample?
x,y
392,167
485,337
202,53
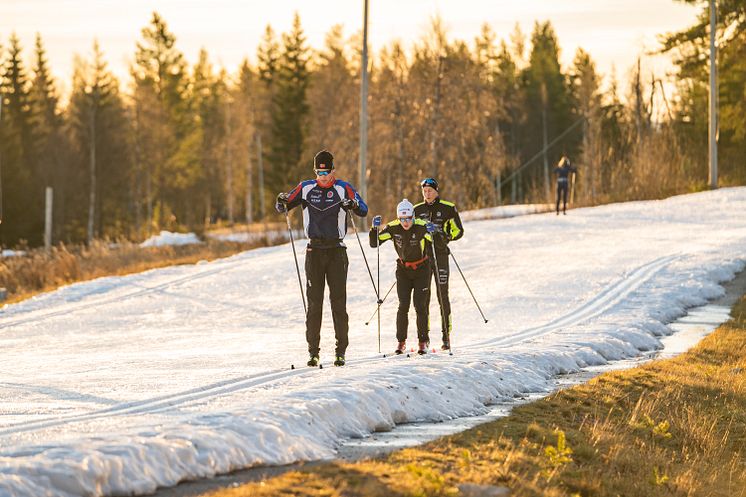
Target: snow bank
x,y
13,253
123,385
168,238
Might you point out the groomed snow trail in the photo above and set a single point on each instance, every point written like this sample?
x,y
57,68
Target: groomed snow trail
x,y
126,384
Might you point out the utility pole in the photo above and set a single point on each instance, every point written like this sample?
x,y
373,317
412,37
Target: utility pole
x,y
48,219
249,185
364,106
260,169
92,165
547,190
713,117
1,158
229,160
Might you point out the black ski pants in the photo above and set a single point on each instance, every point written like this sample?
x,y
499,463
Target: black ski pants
x,y
441,289
413,284
562,192
330,265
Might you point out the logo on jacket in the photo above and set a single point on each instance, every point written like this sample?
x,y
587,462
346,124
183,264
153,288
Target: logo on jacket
x,y
329,194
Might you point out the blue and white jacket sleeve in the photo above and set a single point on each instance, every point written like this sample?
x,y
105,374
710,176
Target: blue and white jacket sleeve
x,y
351,193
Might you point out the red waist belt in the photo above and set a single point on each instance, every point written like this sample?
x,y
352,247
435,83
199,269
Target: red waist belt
x,y
413,264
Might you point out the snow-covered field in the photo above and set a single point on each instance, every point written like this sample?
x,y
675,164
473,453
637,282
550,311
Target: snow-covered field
x,y
124,384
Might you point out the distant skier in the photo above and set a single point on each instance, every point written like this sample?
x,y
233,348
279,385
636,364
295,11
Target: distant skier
x,y
563,172
448,228
325,201
412,244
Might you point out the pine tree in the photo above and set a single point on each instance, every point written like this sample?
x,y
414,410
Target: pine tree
x,y
548,101
45,115
101,160
268,54
50,149
23,199
164,121
206,101
333,99
585,86
290,108
690,48
390,129
245,95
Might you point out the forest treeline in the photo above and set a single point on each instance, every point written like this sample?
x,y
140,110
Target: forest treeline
x,y
181,146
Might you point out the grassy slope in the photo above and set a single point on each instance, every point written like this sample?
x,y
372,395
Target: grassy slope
x,y
672,427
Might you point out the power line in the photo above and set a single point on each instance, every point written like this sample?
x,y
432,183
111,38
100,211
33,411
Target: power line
x,y
539,154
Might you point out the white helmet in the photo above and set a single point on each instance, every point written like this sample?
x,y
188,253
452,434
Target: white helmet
x,y
405,209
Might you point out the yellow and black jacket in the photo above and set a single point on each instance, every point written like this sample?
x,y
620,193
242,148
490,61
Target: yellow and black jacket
x,y
444,216
412,245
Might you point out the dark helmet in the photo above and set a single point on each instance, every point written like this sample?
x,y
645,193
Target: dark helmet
x,y
431,182
323,161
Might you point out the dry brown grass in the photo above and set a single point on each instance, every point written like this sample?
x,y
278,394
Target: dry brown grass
x,y
670,428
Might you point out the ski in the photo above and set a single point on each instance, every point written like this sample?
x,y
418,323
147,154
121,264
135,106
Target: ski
x,y
317,365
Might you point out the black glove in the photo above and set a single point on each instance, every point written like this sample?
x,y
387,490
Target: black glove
x,y
350,204
282,203
440,237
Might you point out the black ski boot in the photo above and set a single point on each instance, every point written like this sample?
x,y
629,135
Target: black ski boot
x,y
446,341
313,361
339,361
401,348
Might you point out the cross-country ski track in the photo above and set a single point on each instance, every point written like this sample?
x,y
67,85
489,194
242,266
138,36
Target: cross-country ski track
x,y
125,384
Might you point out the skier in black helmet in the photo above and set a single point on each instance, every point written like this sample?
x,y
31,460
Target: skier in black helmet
x,y
412,244
563,172
448,227
325,201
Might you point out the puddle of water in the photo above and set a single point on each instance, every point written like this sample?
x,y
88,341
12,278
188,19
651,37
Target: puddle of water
x,y
692,328
688,331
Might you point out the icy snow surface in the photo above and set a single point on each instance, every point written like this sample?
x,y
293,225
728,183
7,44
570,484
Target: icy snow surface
x,y
168,238
124,384
504,211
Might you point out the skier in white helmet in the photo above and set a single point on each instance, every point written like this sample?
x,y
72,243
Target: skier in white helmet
x,y
411,242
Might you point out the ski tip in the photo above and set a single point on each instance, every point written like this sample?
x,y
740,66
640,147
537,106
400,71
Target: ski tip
x,y
292,366
384,355
450,353
321,366
407,355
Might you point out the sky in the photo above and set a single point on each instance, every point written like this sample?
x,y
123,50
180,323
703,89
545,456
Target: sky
x,y
122,384
614,32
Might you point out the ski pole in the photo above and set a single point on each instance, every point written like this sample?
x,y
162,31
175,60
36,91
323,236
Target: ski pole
x,y
295,256
431,230
376,224
370,273
378,308
467,284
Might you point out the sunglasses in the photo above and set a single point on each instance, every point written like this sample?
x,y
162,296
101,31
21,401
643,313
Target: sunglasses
x,y
406,219
323,173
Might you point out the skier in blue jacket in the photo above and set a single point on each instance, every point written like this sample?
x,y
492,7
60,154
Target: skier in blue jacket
x,y
326,201
563,172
